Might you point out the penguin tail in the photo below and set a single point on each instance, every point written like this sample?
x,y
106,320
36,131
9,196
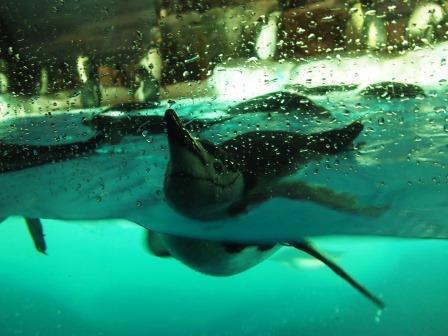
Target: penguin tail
x,y
335,141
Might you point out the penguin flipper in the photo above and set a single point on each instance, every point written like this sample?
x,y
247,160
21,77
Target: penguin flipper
x,y
37,234
326,197
306,247
155,245
298,190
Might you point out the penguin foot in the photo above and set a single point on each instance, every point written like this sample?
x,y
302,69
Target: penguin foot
x,y
37,234
306,247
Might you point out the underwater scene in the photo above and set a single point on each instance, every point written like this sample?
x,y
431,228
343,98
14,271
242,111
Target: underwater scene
x,y
271,167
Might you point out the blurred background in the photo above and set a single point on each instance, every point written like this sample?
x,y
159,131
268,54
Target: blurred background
x,y
68,54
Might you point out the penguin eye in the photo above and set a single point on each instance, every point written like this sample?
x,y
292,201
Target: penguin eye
x,y
218,166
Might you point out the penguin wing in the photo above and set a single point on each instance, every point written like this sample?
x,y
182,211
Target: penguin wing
x,y
298,190
326,197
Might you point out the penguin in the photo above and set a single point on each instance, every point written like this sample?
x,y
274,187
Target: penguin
x,y
281,101
4,83
356,20
149,74
321,90
392,90
116,125
266,39
247,170
90,91
18,156
147,91
209,257
21,156
226,259
365,28
204,181
374,32
42,88
423,20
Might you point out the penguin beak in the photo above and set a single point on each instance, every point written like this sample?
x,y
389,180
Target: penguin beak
x,y
179,139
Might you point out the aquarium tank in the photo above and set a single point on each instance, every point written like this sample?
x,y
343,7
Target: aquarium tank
x,y
223,167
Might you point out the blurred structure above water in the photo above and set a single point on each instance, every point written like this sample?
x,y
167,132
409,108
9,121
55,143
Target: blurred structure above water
x,y
114,51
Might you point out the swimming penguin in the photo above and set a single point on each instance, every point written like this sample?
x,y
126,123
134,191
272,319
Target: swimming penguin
x,y
226,259
247,170
115,127
321,90
280,101
21,156
147,94
392,90
18,156
204,181
209,257
131,107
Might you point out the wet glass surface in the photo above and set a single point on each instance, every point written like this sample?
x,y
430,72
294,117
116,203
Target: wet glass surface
x,y
219,135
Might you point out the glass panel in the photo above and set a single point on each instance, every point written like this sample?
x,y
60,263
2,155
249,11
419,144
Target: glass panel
x,y
287,133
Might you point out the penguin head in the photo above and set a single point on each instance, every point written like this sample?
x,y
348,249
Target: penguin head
x,y
199,182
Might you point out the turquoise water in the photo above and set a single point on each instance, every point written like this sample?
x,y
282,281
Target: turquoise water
x,y
98,278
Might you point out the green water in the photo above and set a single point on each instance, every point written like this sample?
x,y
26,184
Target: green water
x,y
100,280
